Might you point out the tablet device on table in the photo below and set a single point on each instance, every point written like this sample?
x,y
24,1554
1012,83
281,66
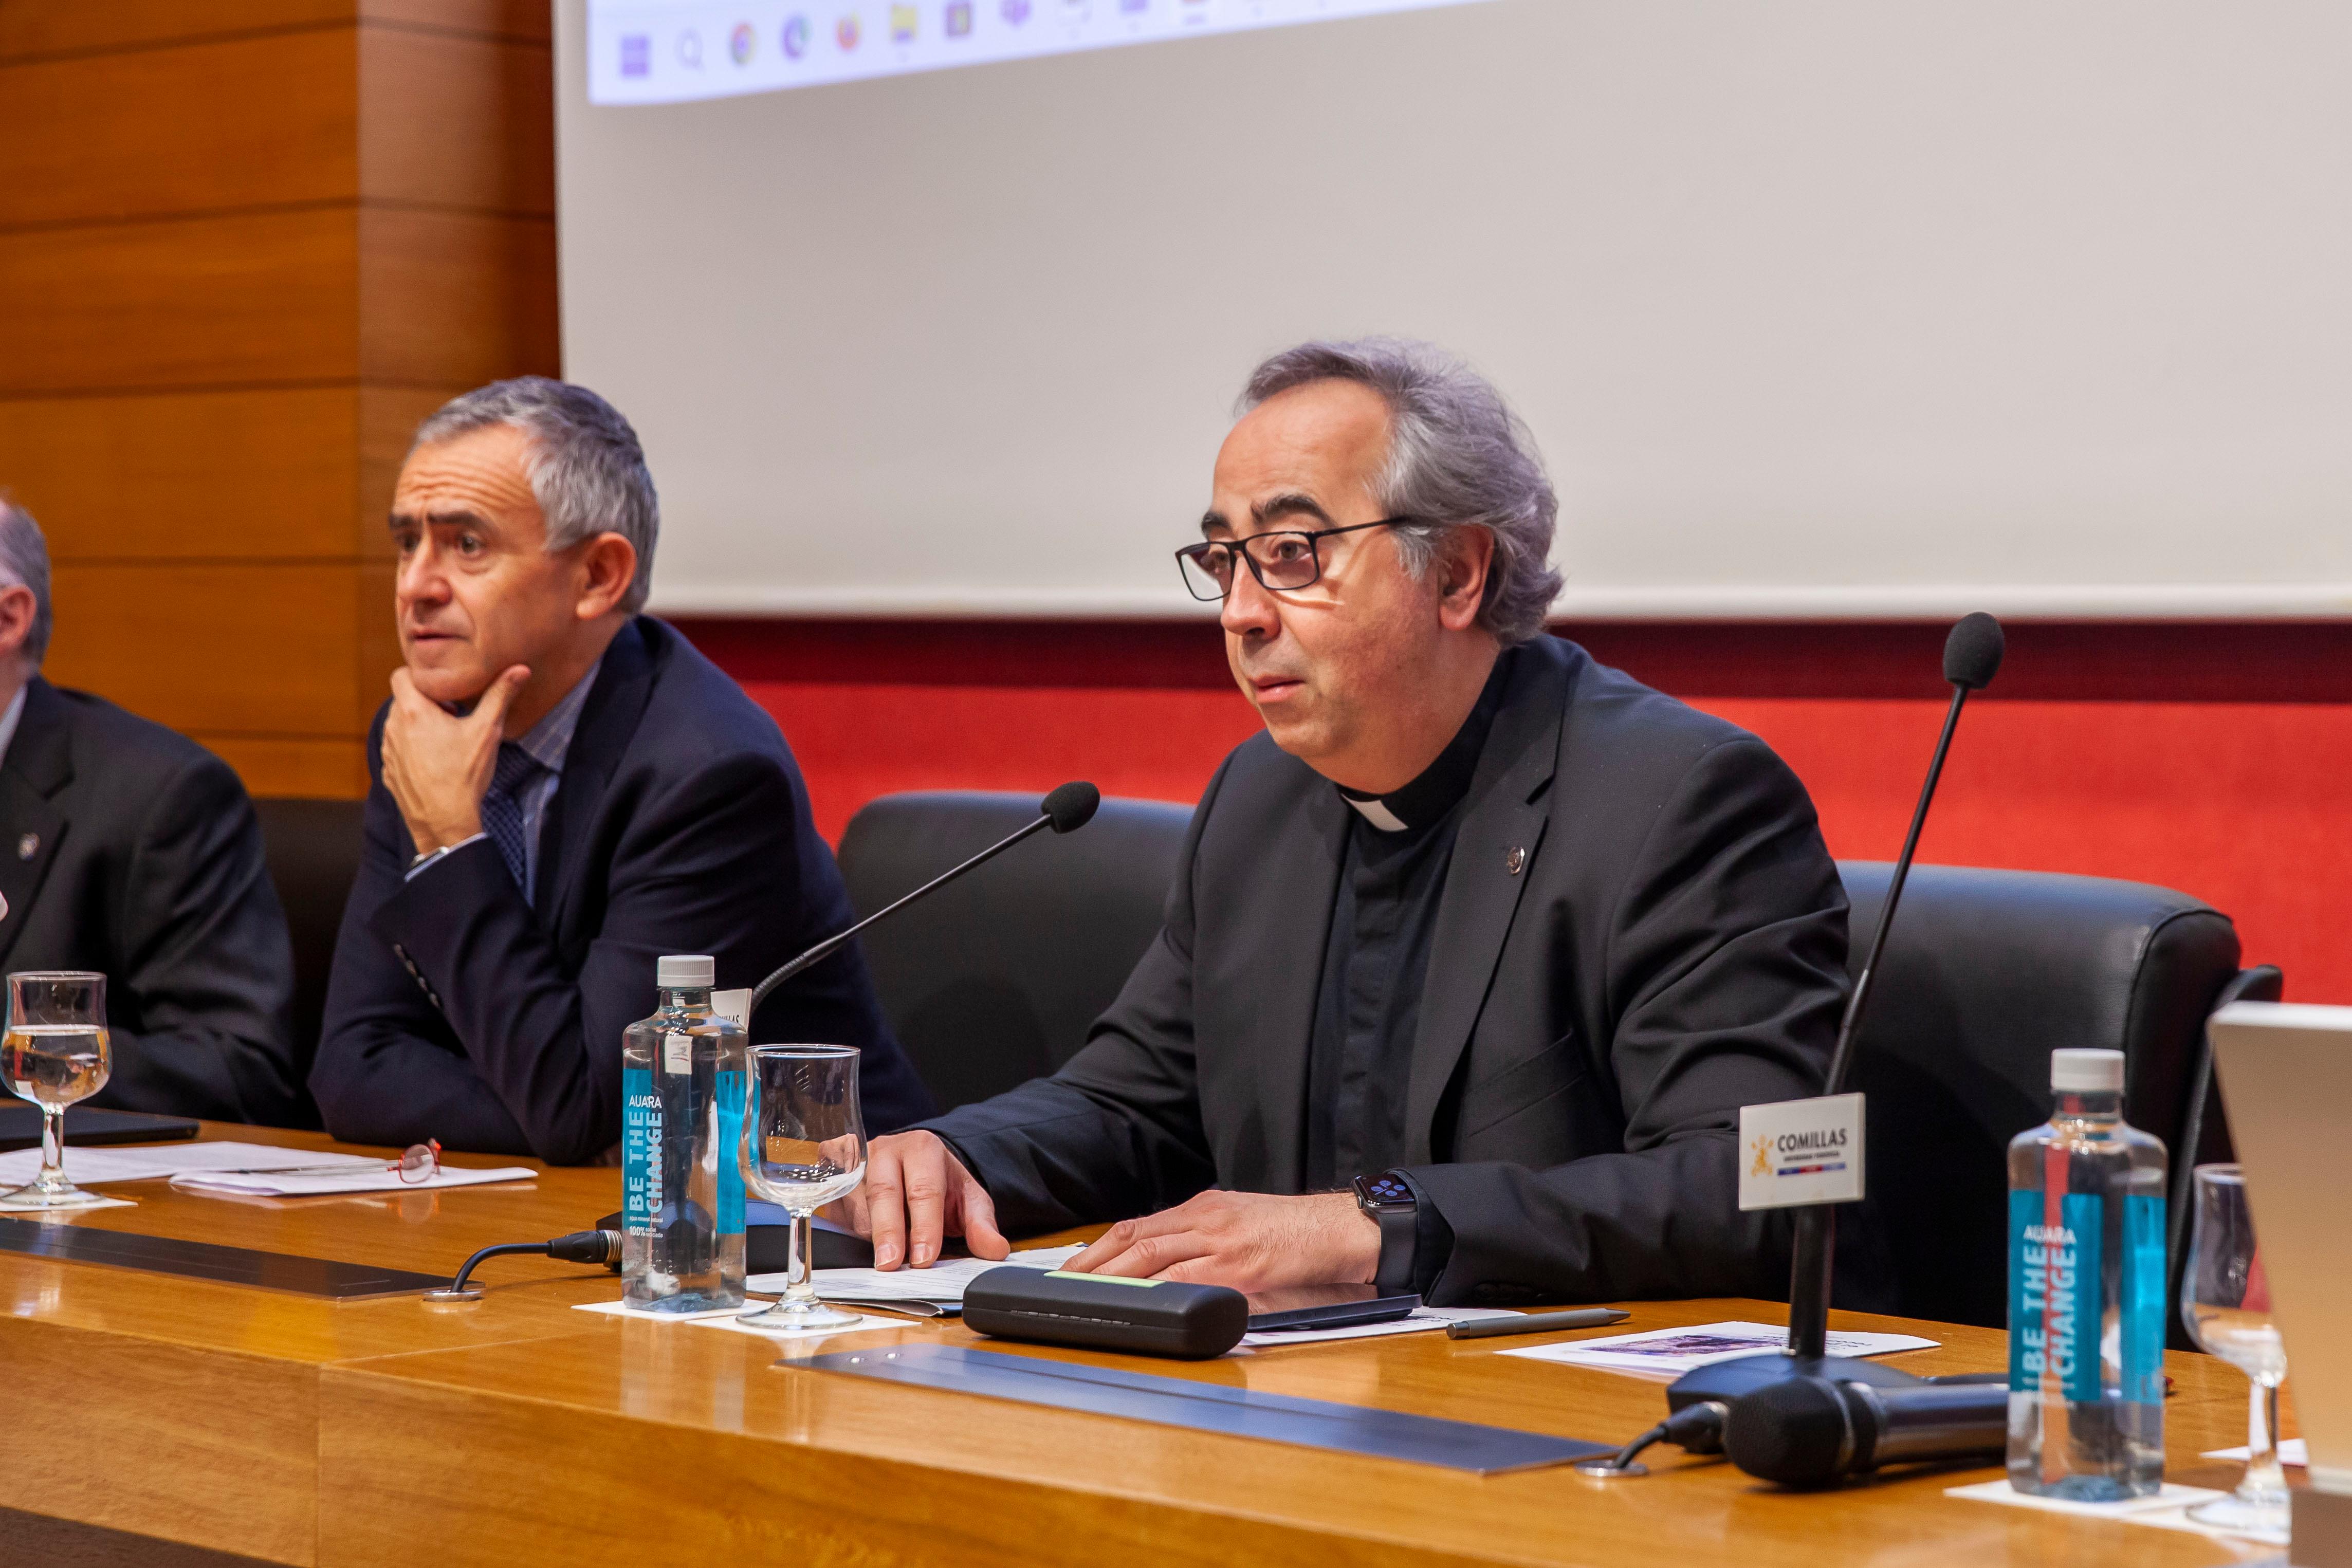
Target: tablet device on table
x,y
1301,1307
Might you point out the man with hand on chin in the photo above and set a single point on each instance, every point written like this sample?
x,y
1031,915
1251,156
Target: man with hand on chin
x,y
1472,957
564,791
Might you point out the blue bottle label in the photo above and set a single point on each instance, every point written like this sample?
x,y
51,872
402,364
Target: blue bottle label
x,y
2143,1299
2053,1293
730,1154
641,1133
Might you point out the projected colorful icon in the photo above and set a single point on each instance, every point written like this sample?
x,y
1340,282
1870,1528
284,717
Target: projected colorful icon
x,y
796,37
1014,10
740,42
904,20
846,31
637,55
959,19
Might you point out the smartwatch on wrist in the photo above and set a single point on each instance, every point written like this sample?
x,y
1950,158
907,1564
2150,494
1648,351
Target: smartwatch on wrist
x,y
1388,1200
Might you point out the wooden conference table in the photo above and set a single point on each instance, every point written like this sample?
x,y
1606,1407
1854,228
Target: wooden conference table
x,y
516,1430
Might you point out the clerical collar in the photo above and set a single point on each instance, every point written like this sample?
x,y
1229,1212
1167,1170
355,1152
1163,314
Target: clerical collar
x,y
1443,782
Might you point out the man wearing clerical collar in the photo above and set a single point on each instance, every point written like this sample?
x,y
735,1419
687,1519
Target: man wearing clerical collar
x,y
1472,957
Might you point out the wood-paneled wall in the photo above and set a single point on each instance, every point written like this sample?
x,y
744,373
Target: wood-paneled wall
x,y
245,245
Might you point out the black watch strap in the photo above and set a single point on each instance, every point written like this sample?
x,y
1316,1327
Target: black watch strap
x,y
1393,1206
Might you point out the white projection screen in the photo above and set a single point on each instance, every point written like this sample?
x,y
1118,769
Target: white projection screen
x,y
1817,308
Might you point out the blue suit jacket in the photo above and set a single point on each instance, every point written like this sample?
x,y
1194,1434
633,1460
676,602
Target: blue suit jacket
x,y
460,1011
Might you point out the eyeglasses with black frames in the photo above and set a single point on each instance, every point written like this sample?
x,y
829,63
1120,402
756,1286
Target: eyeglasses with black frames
x,y
1282,560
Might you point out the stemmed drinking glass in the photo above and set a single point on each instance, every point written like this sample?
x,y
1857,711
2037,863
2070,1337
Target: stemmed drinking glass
x,y
803,1147
2226,1302
54,1054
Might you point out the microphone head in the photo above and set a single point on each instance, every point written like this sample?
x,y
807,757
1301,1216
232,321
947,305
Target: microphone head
x,y
1972,653
1071,807
1794,1432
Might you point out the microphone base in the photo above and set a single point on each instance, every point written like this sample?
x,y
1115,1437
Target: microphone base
x,y
1727,1381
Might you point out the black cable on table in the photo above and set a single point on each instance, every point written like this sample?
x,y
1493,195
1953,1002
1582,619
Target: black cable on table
x,y
580,1247
1696,1428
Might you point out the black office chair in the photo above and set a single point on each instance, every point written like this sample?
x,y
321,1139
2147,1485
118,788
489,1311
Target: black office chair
x,y
993,979
1985,973
313,850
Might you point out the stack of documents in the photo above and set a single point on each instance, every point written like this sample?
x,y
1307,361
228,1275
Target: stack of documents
x,y
241,1168
365,1175
935,1292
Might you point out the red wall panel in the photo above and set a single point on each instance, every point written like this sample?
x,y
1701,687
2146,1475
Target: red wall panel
x,y
2243,805
2215,759
855,742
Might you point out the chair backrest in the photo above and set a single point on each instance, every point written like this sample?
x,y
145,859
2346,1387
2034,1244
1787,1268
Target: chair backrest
x,y
993,979
313,850
1985,973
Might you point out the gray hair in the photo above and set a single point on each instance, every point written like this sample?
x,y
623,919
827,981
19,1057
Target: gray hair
x,y
586,466
1458,457
24,563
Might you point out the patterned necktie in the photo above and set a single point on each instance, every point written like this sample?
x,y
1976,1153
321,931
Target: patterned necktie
x,y
502,808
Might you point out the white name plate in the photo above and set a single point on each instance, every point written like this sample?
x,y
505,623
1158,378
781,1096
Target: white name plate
x,y
1801,1151
732,1006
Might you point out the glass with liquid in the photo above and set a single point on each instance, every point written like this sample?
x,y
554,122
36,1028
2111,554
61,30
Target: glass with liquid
x,y
54,1054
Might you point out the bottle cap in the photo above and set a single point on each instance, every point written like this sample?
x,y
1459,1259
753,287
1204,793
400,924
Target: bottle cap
x,y
674,973
2077,1072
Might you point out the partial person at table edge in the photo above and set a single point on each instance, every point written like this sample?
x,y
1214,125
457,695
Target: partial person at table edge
x,y
562,790
1472,955
128,849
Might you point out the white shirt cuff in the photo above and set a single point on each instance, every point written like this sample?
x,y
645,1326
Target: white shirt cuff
x,y
434,857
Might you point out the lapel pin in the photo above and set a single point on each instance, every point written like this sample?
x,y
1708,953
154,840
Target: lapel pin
x,y
1514,860
28,846
4,907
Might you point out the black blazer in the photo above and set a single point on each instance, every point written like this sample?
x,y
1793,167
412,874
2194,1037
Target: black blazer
x,y
1670,947
132,850
458,1012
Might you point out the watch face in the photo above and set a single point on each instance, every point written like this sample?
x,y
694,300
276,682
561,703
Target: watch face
x,y
1387,1189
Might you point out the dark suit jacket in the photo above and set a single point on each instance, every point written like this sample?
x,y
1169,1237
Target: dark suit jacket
x,y
132,850
1671,948
460,1011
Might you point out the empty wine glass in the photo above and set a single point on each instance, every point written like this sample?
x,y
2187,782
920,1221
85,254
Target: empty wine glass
x,y
2226,1302
803,1147
54,1054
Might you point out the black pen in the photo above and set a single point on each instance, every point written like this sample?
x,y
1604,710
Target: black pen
x,y
1536,1323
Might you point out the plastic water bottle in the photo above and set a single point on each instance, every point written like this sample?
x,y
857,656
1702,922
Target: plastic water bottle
x,y
2086,1285
682,1080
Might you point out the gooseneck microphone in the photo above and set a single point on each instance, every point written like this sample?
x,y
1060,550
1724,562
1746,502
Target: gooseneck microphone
x,y
1813,1431
1066,811
1972,657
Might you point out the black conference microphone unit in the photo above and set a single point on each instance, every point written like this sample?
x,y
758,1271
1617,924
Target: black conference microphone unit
x,y
1066,811
1972,655
1811,1431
